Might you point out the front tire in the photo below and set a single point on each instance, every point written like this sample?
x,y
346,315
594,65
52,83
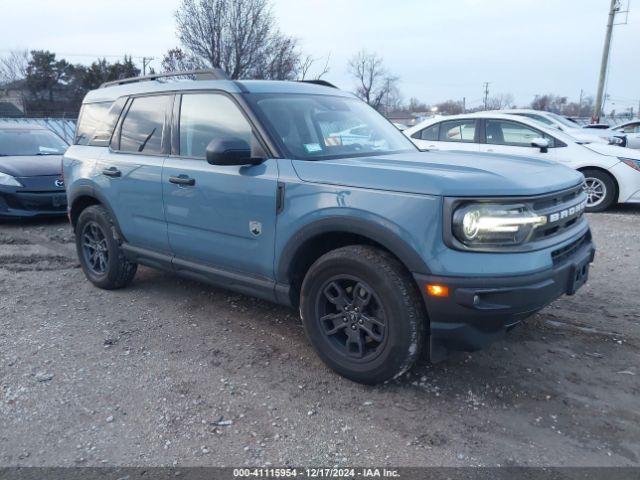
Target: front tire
x,y
600,188
99,251
363,314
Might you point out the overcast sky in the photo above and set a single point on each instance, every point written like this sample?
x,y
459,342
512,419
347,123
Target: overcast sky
x,y
439,49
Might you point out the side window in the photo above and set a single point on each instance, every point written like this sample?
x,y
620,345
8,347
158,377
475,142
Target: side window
x,y
141,130
502,132
92,115
633,128
205,116
458,131
102,133
429,133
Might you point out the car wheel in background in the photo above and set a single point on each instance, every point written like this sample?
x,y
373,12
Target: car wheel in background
x,y
99,251
363,314
600,189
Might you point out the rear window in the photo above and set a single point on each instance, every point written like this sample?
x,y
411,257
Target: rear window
x,y
97,121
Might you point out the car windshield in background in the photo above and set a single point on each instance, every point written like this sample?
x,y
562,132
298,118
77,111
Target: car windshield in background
x,y
560,119
313,127
24,142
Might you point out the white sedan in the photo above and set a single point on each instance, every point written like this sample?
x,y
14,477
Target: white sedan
x,y
632,132
567,126
612,174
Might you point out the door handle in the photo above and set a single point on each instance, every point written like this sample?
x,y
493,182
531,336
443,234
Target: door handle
x,y
112,172
182,180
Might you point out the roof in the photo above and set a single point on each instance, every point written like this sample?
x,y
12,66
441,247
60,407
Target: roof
x,y
111,93
521,110
8,109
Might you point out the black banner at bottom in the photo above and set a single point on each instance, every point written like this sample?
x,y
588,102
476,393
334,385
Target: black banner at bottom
x,y
214,473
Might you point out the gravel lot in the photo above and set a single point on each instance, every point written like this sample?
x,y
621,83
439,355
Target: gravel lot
x,y
173,372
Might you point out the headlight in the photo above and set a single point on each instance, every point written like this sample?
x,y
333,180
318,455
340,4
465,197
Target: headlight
x,y
9,180
494,224
635,164
613,140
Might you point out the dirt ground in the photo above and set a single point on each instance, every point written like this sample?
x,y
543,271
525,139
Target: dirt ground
x,y
173,372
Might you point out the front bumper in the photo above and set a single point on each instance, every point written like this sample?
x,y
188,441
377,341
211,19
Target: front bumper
x,y
479,310
16,202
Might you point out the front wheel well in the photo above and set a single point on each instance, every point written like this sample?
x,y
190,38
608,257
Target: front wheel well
x,y
606,172
313,248
78,205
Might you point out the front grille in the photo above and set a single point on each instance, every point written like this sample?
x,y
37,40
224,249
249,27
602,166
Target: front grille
x,y
37,201
559,256
562,209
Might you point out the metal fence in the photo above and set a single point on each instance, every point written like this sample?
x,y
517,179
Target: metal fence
x,y
62,126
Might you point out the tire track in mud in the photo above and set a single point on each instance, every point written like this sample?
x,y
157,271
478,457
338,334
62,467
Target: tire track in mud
x,y
22,251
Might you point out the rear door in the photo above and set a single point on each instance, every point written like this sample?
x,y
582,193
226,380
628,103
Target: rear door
x,y
218,216
130,172
459,134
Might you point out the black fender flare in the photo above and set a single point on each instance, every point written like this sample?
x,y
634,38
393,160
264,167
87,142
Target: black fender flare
x,y
89,191
342,224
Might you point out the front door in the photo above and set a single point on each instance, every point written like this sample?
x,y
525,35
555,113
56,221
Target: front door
x,y
514,138
218,216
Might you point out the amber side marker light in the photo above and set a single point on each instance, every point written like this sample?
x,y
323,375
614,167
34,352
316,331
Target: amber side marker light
x,y
436,290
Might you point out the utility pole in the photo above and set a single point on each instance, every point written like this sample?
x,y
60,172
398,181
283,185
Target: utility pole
x,y
581,97
145,61
486,93
613,9
464,104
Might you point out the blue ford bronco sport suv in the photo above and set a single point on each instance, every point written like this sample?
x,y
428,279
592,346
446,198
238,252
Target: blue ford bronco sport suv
x,y
302,194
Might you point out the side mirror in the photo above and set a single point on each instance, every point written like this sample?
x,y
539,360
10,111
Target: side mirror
x,y
541,143
230,151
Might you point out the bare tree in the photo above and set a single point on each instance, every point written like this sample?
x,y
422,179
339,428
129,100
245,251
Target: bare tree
x,y
176,60
306,63
238,36
498,102
450,107
374,82
13,66
549,102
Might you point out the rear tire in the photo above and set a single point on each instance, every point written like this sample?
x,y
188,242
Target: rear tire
x,y
99,251
600,188
363,314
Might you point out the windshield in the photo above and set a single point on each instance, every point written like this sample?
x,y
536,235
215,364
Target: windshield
x,y
311,127
22,142
563,121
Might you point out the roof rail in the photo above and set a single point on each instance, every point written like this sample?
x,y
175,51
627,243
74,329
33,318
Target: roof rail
x,y
324,83
206,74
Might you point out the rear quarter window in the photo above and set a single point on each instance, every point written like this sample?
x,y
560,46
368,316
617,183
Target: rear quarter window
x,y
97,121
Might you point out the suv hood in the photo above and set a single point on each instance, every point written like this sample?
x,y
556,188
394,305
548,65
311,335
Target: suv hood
x,y
465,174
31,166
